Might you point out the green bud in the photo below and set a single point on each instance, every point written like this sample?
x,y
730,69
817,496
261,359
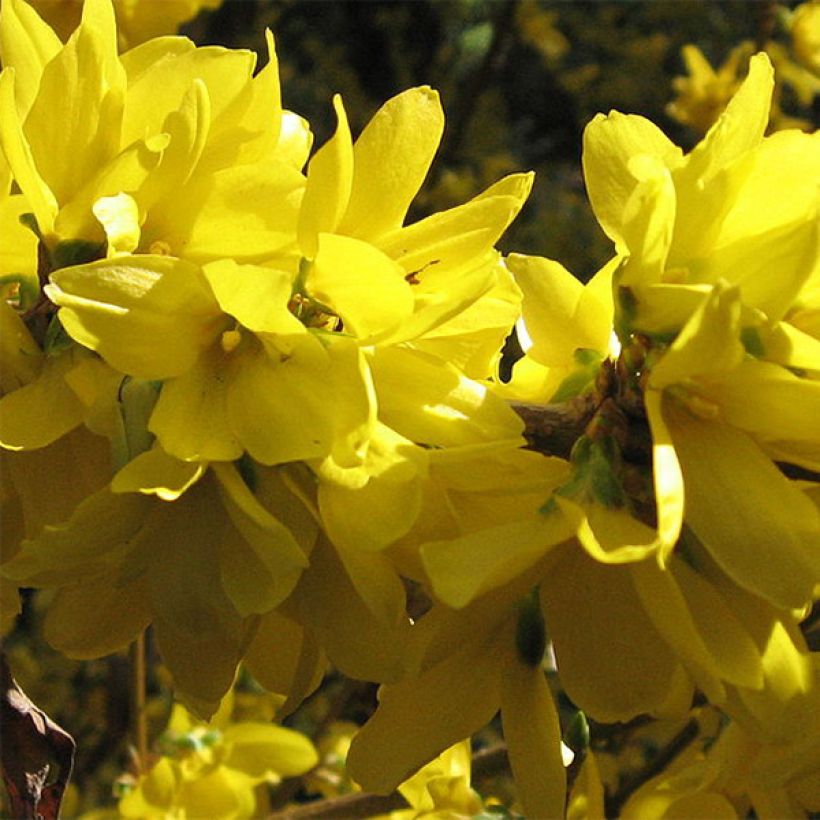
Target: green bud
x,y
751,340
576,735
531,631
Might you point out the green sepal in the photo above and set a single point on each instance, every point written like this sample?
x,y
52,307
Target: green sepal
x,y
576,735
531,631
750,339
57,340
581,380
76,252
30,221
596,472
247,471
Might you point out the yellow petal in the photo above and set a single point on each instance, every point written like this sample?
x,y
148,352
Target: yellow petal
x,y
364,638
700,626
430,713
154,472
769,401
161,71
297,666
758,526
472,340
119,613
364,286
277,406
191,418
738,129
329,180
262,750
648,222
27,44
611,659
708,344
390,160
39,195
119,216
247,212
248,128
586,800
148,316
533,737
257,297
187,129
609,534
560,314
42,411
667,476
432,403
460,236
260,569
83,89
79,548
392,472
609,143
463,568
127,171
787,345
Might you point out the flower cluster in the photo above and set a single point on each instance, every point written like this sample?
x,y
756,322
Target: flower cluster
x,y
248,402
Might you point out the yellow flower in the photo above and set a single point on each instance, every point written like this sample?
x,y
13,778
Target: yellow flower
x,y
702,96
697,257
195,553
680,223
805,32
728,772
713,410
457,690
434,283
441,789
180,136
566,330
137,20
212,770
222,337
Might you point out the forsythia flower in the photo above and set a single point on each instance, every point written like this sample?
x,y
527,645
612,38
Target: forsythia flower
x,y
702,96
212,770
218,318
137,20
728,772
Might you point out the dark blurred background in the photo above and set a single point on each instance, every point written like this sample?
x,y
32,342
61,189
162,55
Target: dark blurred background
x,y
519,79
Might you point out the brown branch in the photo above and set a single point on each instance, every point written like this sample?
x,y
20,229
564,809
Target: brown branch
x,y
659,762
485,763
139,719
359,805
553,429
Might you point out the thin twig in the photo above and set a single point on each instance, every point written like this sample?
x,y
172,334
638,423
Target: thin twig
x,y
139,718
655,766
359,805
